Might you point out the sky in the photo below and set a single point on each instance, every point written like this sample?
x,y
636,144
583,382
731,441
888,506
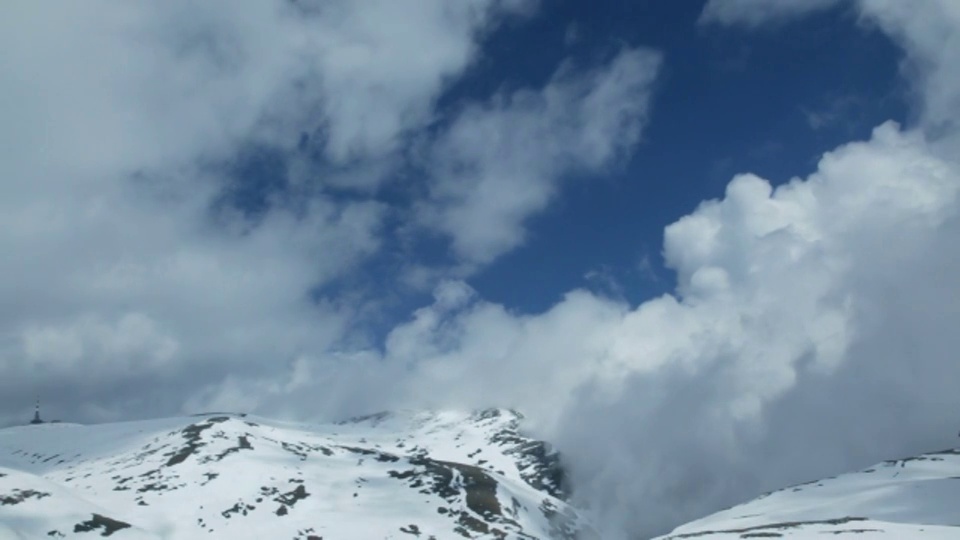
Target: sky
x,y
709,248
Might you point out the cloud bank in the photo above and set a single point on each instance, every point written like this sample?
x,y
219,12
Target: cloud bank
x,y
120,131
190,191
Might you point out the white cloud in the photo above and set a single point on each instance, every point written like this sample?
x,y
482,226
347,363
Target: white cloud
x,y
119,261
789,300
754,13
929,31
811,331
500,163
136,285
133,342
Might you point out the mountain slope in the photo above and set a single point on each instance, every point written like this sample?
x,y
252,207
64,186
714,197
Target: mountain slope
x,y
407,475
907,498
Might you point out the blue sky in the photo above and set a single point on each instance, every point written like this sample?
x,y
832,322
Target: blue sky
x,y
715,235
725,103
768,102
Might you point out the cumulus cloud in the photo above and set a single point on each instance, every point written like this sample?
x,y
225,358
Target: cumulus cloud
x,y
754,13
805,338
809,333
783,311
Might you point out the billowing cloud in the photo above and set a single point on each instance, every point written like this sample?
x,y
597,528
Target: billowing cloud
x,y
808,336
680,405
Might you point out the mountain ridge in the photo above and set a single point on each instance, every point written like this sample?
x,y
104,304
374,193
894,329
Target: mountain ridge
x,y
913,497
389,475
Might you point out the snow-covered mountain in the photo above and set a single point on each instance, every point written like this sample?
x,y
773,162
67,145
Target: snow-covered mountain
x,y
913,498
400,475
391,475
